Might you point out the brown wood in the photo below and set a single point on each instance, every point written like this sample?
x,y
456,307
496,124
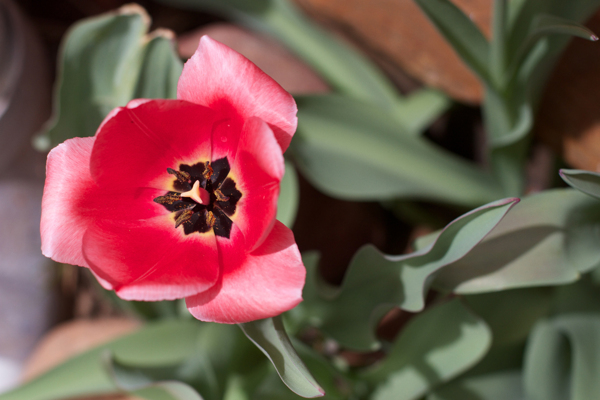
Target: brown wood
x,y
569,115
403,34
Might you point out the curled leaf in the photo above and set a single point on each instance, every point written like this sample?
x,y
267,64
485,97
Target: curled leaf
x,y
549,238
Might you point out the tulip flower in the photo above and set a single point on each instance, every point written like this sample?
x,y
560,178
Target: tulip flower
x,y
177,198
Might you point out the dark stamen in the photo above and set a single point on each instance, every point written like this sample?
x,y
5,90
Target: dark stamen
x,y
183,217
208,171
168,199
220,196
182,176
210,219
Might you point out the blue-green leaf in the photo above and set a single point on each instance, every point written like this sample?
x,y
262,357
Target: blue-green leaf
x,y
376,282
336,385
435,346
542,26
105,62
562,360
548,238
462,34
270,337
505,385
585,181
134,381
511,314
350,149
420,109
287,204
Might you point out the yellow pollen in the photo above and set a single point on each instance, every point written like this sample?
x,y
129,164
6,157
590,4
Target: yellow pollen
x,y
199,195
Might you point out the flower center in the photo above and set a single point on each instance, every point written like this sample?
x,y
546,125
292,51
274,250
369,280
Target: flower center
x,y
205,199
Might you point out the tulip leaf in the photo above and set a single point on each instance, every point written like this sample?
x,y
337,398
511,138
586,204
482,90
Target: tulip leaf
x,y
134,381
333,382
548,238
270,337
105,62
458,29
511,314
433,348
544,25
420,109
497,386
353,150
562,360
578,297
287,205
585,181
166,343
160,68
375,282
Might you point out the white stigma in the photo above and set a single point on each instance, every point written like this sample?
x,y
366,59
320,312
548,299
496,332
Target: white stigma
x,y
199,195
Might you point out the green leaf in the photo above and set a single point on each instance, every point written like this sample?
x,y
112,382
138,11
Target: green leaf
x,y
270,337
517,132
105,62
549,24
462,34
166,343
585,181
562,360
336,385
511,314
376,282
160,68
548,238
287,205
134,381
435,346
578,297
420,109
542,26
505,385
353,150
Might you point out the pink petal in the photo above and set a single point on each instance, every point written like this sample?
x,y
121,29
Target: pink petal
x,y
150,259
258,167
259,285
136,144
67,175
217,76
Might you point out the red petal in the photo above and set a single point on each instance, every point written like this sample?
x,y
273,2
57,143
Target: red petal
x,y
259,285
136,144
217,76
150,259
73,201
258,169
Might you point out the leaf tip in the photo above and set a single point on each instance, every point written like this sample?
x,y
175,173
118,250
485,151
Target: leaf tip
x,y
594,38
133,8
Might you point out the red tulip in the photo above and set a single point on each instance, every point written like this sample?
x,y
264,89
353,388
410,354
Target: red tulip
x,y
177,198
